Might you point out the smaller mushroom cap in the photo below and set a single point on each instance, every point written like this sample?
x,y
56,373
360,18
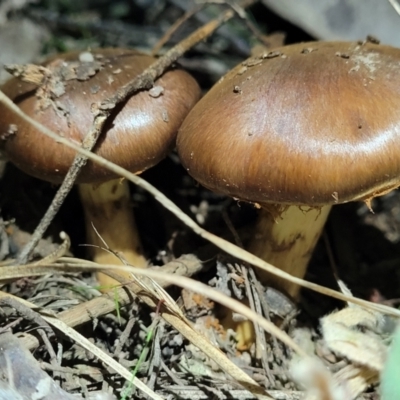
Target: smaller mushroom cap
x,y
306,124
138,134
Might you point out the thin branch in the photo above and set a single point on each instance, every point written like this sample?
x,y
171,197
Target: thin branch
x,y
239,10
223,244
173,28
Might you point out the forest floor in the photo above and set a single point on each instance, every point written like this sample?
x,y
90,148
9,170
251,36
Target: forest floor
x,y
360,247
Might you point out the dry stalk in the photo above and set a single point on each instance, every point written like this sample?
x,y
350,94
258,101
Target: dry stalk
x,y
173,28
395,5
223,244
187,265
149,296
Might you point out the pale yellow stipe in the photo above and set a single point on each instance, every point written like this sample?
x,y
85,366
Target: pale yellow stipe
x,y
286,241
108,211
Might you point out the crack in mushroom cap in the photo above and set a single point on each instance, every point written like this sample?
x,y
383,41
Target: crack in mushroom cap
x,y
139,133
306,124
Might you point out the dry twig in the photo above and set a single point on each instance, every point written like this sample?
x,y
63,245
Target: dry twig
x,y
172,29
223,244
186,265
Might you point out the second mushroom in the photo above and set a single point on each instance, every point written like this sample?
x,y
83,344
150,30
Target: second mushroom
x,y
139,133
294,131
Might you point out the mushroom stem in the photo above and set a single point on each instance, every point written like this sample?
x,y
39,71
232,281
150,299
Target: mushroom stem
x,y
110,222
287,242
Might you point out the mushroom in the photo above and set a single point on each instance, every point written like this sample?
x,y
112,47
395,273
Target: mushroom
x,y
138,134
294,131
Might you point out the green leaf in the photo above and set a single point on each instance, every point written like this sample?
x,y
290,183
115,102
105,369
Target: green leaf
x,y
390,378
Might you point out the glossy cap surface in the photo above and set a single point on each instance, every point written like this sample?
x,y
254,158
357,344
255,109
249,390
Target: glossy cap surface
x,y
138,134
306,124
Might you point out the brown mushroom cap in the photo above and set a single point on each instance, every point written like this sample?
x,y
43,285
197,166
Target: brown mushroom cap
x,y
137,136
307,124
